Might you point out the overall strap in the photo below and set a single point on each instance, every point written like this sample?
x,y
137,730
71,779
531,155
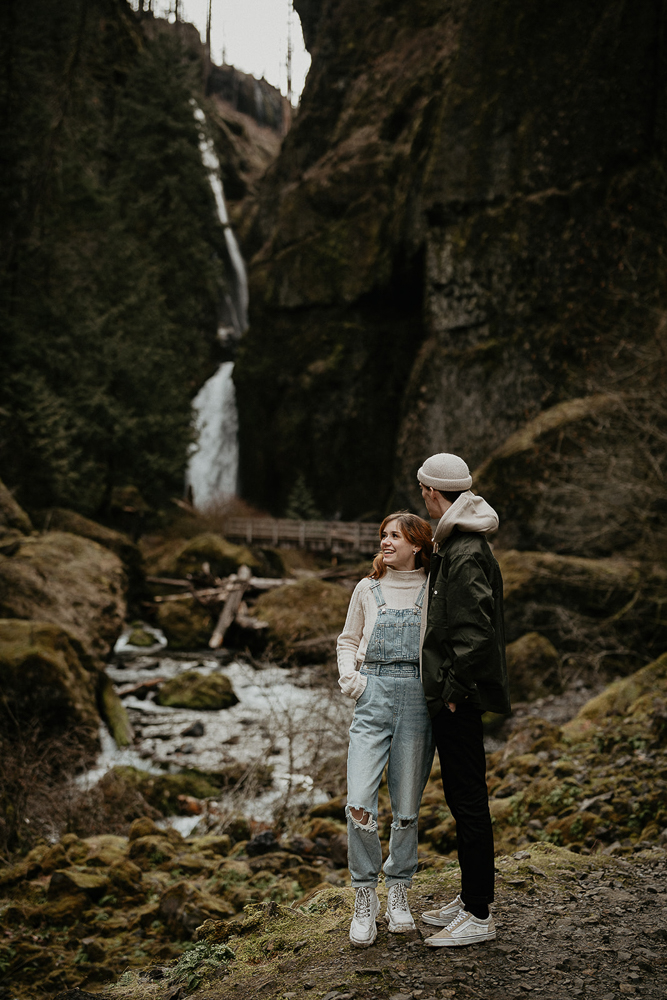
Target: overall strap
x,y
376,591
420,599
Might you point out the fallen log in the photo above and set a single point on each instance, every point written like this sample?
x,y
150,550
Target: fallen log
x,y
210,594
228,613
139,688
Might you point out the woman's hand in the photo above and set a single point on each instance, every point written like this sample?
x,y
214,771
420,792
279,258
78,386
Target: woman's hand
x,y
451,705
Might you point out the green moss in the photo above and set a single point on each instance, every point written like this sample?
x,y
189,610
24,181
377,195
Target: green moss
x,y
191,689
305,610
162,790
114,714
186,558
186,624
43,677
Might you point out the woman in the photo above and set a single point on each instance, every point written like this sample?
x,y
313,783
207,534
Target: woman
x,y
378,663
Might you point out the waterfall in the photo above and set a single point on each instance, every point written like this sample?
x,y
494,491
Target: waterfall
x,y
213,461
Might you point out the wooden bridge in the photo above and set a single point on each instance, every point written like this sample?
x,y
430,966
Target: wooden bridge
x,y
336,536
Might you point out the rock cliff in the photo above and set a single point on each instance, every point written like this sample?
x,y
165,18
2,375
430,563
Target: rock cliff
x,y
459,235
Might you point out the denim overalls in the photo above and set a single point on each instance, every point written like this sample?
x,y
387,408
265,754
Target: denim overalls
x,y
391,722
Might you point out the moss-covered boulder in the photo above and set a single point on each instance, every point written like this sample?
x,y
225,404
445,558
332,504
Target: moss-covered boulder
x,y
151,851
629,698
47,678
534,667
596,784
596,612
179,558
69,581
193,689
530,478
162,792
71,881
184,906
60,519
308,610
186,624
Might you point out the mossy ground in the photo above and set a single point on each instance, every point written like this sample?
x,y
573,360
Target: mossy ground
x,y
560,918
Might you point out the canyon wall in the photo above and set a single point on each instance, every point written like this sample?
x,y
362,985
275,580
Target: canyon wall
x,y
464,232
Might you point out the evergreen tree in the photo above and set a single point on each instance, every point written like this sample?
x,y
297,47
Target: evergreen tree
x,y
300,503
112,264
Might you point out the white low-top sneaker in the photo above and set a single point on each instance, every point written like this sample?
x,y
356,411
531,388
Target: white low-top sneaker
x,y
398,914
366,908
445,915
464,929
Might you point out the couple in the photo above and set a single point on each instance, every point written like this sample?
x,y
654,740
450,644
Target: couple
x,y
400,717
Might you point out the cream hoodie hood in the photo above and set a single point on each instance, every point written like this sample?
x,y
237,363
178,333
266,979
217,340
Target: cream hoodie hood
x,y
468,513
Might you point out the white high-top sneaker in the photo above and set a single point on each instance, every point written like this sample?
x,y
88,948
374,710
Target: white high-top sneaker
x,y
366,908
398,914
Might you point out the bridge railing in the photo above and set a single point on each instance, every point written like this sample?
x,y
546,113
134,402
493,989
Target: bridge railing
x,y
338,536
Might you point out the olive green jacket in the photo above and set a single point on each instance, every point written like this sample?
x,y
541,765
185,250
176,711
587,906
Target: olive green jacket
x,y
463,655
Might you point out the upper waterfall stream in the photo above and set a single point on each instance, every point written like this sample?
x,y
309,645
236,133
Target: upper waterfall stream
x,y
213,461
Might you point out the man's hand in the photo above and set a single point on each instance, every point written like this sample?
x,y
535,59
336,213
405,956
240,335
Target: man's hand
x,y
451,705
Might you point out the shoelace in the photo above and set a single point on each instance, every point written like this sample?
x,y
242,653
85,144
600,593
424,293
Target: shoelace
x,y
463,915
399,897
362,903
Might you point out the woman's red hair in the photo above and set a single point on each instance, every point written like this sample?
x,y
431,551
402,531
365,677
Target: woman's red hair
x,y
417,531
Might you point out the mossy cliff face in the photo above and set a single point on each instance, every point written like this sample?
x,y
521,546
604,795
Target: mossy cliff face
x,y
460,233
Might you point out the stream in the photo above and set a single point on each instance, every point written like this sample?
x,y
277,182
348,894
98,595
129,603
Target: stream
x,y
291,719
281,719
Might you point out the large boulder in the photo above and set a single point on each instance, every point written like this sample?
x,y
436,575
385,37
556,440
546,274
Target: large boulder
x,y
534,667
184,906
195,690
69,581
161,791
181,558
187,624
573,480
47,678
60,519
629,699
309,611
600,613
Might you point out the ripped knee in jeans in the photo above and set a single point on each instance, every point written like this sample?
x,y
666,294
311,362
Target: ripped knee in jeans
x,y
362,818
403,822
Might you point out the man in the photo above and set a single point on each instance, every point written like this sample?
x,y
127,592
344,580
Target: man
x,y
464,675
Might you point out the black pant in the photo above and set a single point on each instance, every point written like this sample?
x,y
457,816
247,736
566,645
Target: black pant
x,y
460,741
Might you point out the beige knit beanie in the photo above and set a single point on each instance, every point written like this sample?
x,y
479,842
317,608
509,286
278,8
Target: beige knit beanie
x,y
445,472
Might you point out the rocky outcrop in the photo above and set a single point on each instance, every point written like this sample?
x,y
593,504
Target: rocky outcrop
x,y
69,581
59,519
458,235
600,614
48,680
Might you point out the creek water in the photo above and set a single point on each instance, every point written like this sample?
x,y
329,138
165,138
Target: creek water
x,y
213,461
282,719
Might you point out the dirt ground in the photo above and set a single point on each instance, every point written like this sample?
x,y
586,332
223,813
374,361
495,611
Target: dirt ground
x,y
567,926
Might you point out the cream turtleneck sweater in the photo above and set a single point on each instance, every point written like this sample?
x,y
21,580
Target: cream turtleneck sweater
x,y
400,590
